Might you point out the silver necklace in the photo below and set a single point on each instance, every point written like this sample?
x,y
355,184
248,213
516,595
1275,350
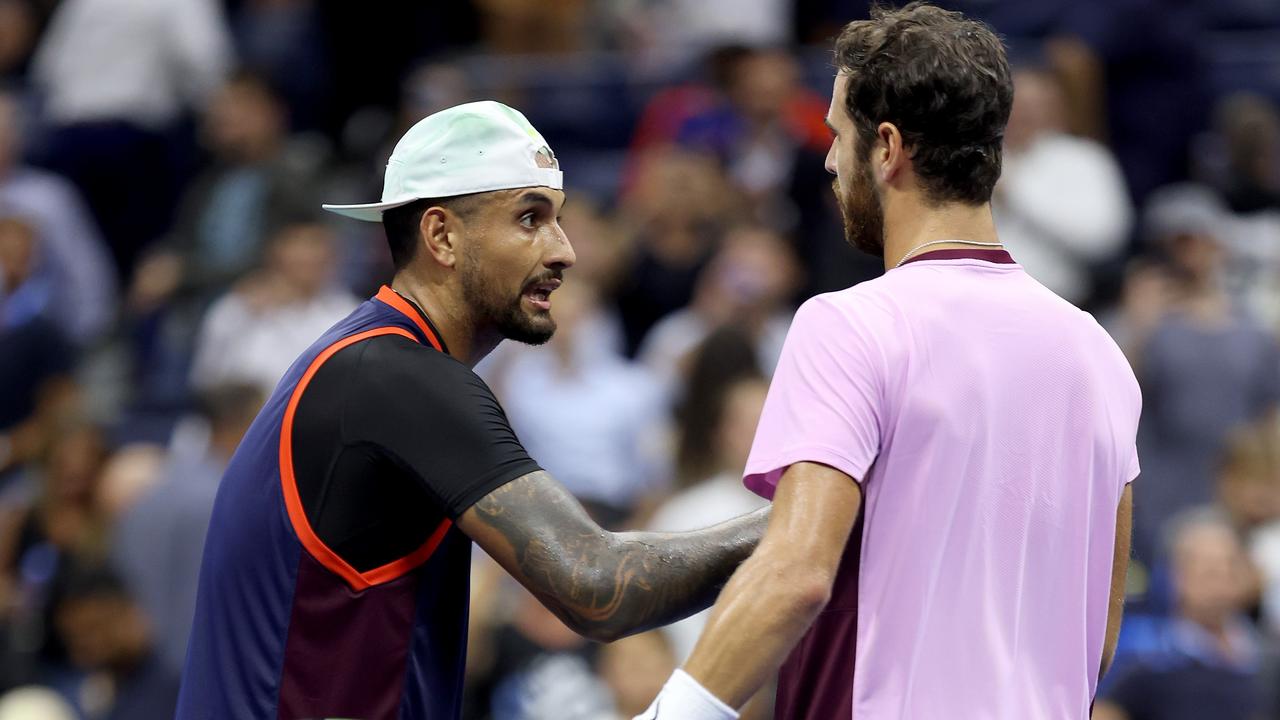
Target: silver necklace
x,y
922,246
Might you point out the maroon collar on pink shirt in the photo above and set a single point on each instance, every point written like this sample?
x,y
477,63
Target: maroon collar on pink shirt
x,y
995,256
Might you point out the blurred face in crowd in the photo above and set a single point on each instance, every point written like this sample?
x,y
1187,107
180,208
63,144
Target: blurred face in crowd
x,y
103,632
1249,482
1254,498
1250,125
1197,257
855,185
74,466
1038,108
677,188
752,274
1210,573
245,122
763,83
596,242
304,256
511,255
17,252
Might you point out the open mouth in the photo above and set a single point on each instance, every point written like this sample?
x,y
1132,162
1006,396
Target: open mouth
x,y
539,294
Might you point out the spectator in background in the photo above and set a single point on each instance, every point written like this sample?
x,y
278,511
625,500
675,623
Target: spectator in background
x,y
253,333
749,282
541,670
1249,127
635,668
283,39
671,107
718,495
725,357
257,184
1134,75
1061,205
597,241
675,32
1204,364
1203,661
109,639
521,27
159,540
1249,492
768,129
591,414
72,256
723,397
116,77
1241,160
18,29
36,361
678,208
56,520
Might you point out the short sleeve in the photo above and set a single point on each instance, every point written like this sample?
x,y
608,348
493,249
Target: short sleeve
x,y
825,402
436,417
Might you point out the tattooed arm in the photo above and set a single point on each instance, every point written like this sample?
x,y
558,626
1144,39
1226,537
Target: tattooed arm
x,y
604,585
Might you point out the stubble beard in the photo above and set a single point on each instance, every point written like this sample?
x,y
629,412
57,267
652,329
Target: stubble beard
x,y
862,213
491,309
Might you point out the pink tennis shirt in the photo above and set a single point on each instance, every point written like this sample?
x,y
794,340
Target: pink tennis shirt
x,y
992,427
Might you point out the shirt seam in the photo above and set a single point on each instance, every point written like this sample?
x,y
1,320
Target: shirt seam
x,y
776,459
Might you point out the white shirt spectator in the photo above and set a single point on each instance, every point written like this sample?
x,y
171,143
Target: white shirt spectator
x,y
1061,205
684,29
596,428
241,343
136,60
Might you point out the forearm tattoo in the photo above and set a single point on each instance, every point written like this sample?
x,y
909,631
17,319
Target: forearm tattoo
x,y
608,585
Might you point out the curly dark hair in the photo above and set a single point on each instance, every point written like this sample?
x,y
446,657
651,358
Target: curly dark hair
x,y
944,81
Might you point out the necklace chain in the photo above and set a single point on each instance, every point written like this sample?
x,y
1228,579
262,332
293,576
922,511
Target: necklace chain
x,y
931,243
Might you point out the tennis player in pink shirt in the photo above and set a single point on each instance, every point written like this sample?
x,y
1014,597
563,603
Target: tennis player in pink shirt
x,y
948,447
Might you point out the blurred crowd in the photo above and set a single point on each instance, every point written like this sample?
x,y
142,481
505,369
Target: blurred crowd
x,y
163,260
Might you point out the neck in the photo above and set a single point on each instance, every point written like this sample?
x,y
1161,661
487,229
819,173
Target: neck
x,y
466,343
911,225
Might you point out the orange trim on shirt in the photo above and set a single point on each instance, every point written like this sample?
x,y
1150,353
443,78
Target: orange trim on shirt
x,y
293,501
393,298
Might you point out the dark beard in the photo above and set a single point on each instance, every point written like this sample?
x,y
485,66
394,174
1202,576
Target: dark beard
x,y
863,214
507,316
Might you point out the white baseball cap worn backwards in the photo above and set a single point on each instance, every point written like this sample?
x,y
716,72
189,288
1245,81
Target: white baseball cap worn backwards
x,y
471,148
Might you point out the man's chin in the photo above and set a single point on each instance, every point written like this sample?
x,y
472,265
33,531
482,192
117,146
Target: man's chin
x,y
532,331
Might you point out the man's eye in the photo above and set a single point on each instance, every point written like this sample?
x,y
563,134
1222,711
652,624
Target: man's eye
x,y
527,219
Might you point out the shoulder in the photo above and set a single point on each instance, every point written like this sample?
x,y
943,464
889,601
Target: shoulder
x,y
402,357
393,365
866,310
1105,346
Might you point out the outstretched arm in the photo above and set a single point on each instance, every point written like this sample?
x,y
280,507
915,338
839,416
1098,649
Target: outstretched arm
x,y
604,585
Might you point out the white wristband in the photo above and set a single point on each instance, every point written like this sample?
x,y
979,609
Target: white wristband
x,y
683,698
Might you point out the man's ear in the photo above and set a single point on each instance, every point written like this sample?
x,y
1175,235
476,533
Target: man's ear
x,y
890,153
437,232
